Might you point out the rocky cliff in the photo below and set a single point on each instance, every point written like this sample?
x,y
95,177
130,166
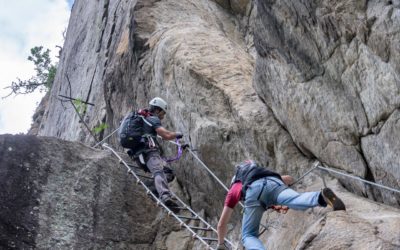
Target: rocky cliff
x,y
293,81
330,73
64,195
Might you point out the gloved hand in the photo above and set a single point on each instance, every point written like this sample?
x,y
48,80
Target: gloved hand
x,y
179,135
222,246
185,146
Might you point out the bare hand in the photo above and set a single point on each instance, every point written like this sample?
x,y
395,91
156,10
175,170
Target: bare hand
x,y
287,179
280,209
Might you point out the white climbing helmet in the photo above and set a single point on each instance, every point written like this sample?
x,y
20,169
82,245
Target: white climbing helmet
x,y
158,102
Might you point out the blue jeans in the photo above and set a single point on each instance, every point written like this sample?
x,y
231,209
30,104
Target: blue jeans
x,y
269,191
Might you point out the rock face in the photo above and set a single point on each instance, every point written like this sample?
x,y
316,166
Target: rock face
x,y
198,62
330,74
288,81
364,225
63,195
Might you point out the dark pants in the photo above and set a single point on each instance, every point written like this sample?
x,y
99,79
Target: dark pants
x,y
155,164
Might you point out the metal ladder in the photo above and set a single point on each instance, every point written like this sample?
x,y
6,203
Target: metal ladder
x,y
184,220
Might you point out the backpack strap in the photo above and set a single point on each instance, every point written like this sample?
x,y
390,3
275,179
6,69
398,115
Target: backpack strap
x,y
277,191
146,121
259,195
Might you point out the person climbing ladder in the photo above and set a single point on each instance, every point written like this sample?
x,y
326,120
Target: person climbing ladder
x,y
261,189
138,133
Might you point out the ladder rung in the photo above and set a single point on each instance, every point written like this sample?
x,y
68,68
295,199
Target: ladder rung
x,y
189,218
201,228
181,208
132,170
134,166
209,239
129,165
144,176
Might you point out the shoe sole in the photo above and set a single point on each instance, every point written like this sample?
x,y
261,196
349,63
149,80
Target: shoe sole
x,y
172,206
332,200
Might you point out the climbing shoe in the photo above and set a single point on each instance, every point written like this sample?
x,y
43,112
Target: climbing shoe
x,y
223,246
332,200
170,203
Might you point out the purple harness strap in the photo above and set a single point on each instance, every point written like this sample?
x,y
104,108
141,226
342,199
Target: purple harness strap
x,y
178,155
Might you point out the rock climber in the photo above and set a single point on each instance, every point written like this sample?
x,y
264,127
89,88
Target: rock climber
x,y
260,189
138,132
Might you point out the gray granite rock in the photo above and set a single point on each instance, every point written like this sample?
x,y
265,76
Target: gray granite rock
x,y
288,81
64,195
382,154
324,70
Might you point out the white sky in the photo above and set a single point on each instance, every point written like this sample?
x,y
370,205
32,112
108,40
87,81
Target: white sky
x,y
25,24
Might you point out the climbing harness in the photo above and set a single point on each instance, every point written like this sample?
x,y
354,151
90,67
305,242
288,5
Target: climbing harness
x,y
323,168
184,220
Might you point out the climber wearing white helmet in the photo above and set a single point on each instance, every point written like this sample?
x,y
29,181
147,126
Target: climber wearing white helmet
x,y
138,132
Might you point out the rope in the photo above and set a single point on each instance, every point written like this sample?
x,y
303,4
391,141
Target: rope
x,y
218,180
318,165
323,178
358,178
208,170
178,154
304,175
105,138
168,160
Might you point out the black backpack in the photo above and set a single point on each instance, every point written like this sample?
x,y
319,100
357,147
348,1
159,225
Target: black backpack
x,y
131,130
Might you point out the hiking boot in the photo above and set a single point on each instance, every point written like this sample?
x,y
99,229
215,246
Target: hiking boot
x,y
170,203
332,200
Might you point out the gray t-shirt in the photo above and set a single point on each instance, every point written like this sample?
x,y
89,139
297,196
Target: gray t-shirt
x,y
155,124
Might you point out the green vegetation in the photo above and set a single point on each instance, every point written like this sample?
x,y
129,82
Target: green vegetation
x,y
80,106
45,73
100,128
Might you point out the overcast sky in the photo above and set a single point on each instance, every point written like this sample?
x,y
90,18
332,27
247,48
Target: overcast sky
x,y
25,24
